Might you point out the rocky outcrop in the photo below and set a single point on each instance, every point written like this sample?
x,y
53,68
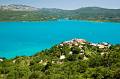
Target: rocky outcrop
x,y
14,7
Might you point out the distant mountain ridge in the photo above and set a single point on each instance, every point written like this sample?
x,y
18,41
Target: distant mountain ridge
x,y
15,7
20,7
27,13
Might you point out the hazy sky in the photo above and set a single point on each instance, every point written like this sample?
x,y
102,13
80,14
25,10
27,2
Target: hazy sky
x,y
65,4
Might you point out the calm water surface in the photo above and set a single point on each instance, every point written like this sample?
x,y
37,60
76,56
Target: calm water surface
x,y
27,38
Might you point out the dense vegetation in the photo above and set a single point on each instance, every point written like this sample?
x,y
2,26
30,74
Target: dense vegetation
x,y
78,61
88,13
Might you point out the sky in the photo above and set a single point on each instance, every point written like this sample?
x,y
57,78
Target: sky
x,y
66,4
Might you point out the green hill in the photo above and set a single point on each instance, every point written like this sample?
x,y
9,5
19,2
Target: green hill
x,y
27,13
74,59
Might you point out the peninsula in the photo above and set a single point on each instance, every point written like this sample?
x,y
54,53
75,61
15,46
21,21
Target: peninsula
x,y
74,59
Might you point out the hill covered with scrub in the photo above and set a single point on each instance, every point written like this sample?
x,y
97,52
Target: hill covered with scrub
x,y
27,13
74,59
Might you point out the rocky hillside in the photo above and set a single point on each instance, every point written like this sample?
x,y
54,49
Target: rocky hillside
x,y
73,59
14,7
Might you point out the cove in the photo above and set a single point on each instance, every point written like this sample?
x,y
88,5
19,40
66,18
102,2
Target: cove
x,y
28,38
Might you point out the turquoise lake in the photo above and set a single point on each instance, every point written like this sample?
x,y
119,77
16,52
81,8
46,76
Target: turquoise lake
x,y
28,38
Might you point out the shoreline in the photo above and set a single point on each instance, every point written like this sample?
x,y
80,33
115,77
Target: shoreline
x,y
97,21
69,42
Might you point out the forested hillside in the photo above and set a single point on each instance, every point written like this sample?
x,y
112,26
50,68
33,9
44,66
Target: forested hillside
x,y
74,59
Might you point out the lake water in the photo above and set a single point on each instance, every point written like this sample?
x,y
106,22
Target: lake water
x,y
27,38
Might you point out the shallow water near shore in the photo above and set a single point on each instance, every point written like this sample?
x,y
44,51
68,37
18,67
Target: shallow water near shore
x,y
28,38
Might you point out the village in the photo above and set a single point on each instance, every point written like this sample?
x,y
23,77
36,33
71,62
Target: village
x,y
79,43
